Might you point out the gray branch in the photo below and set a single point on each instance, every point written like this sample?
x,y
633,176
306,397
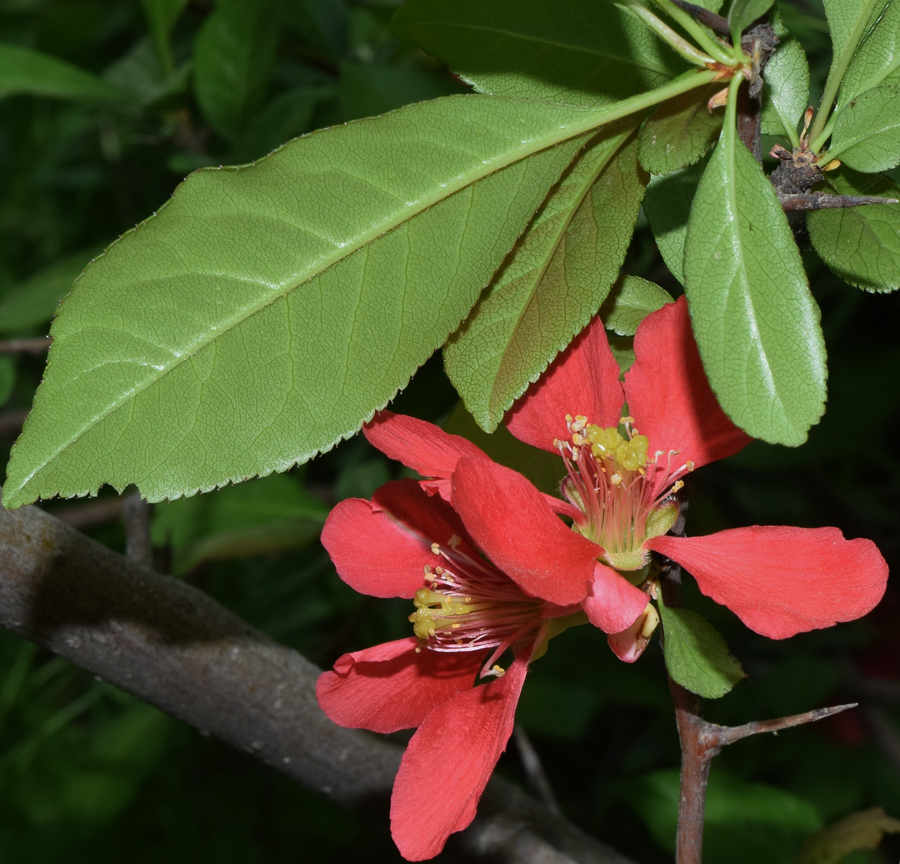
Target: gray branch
x,y
176,648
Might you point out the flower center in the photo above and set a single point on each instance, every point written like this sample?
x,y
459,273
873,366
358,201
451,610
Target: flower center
x,y
469,606
626,496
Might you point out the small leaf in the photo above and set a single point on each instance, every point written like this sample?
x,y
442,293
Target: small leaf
x,y
786,90
667,206
553,282
867,132
566,51
877,57
34,301
252,323
697,657
679,132
622,348
862,830
630,301
25,71
743,13
233,56
755,320
860,245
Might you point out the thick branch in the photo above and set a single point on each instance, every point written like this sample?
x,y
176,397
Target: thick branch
x,y
176,648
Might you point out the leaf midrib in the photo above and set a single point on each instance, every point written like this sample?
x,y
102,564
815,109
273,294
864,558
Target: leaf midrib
x,y
536,145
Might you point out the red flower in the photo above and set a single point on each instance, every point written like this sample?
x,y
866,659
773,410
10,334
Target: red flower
x,y
405,543
623,473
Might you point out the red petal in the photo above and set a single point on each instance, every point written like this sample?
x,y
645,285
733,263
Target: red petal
x,y
382,547
584,379
448,763
782,581
613,603
668,393
419,445
510,520
391,687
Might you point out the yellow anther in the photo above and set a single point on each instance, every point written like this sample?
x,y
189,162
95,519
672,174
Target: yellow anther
x,y
436,548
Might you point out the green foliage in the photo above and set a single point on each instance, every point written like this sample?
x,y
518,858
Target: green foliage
x,y
697,657
786,89
875,60
743,13
568,51
756,323
554,281
629,302
744,823
860,245
858,831
867,132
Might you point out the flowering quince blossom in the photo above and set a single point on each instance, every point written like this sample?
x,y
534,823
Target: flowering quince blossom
x,y
624,473
407,543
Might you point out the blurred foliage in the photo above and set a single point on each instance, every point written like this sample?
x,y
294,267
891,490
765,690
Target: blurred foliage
x,y
88,773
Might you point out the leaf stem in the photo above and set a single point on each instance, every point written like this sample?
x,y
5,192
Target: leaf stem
x,y
708,43
666,33
835,77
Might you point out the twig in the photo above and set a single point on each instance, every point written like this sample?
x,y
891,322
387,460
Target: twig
x,y
794,203
173,646
88,514
534,770
25,346
136,516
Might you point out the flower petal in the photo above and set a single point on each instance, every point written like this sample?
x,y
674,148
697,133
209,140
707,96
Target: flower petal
x,y
510,520
668,393
782,581
448,763
631,643
391,687
419,445
613,604
583,379
382,547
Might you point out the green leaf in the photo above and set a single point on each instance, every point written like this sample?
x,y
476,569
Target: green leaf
x,y
743,13
566,51
667,206
697,657
877,57
141,73
744,823
786,89
756,323
265,515
629,302
322,23
34,301
253,322
679,132
867,132
846,20
233,57
161,15
622,348
284,118
860,245
544,469
7,378
554,281
862,830
34,73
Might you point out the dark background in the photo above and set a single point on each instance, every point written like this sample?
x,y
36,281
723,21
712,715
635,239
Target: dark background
x,y
89,774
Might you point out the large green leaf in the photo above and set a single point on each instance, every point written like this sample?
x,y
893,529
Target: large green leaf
x,y
756,323
867,133
566,51
877,57
861,245
786,90
846,21
23,70
679,132
668,208
697,657
233,56
555,280
264,312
